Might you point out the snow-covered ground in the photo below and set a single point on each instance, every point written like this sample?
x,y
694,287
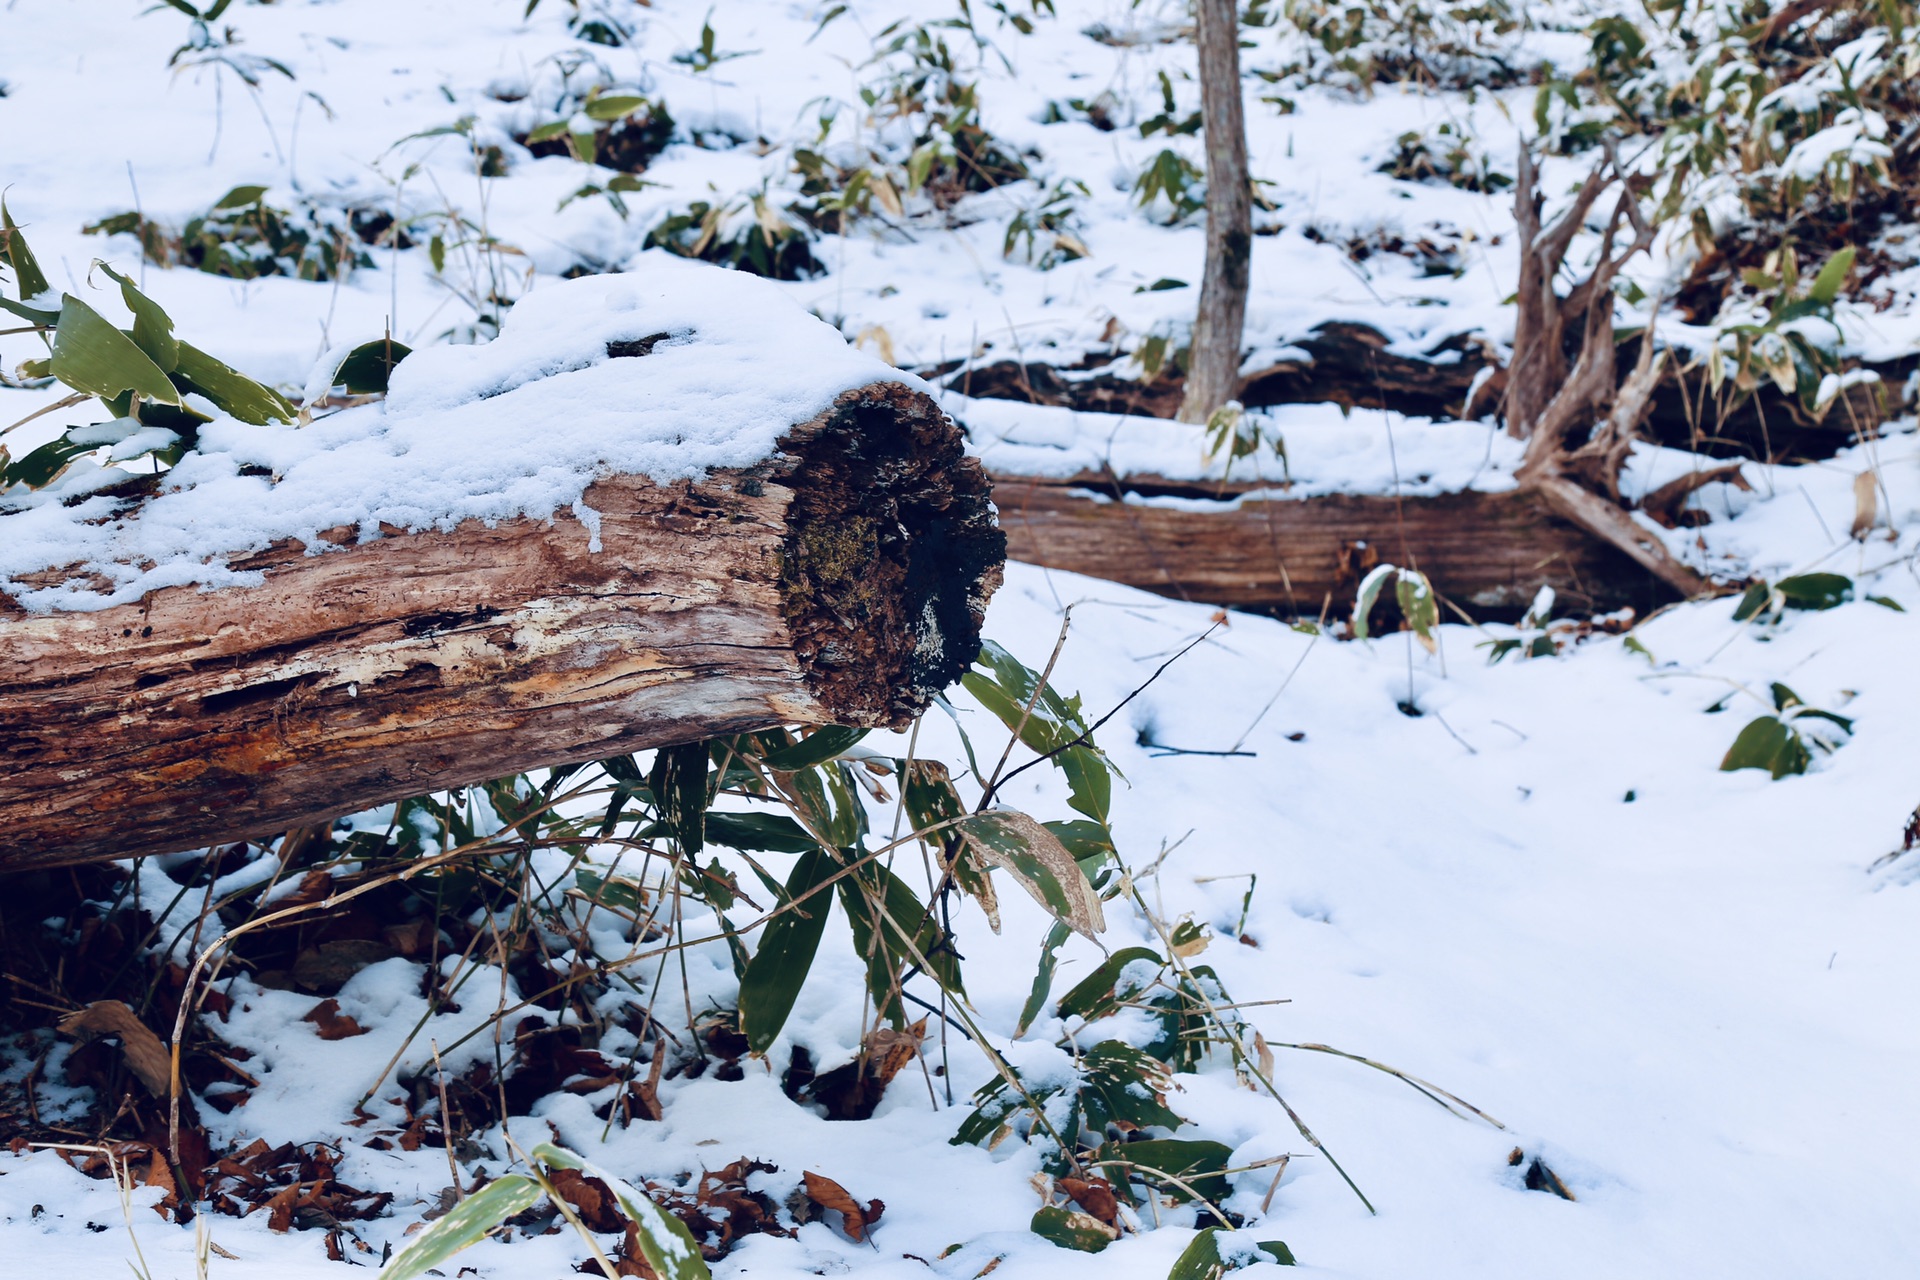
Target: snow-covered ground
x,y
1684,989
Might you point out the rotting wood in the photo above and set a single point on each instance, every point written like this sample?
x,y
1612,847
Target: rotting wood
x,y
1487,552
842,581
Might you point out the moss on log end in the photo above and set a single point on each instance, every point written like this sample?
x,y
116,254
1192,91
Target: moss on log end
x,y
891,554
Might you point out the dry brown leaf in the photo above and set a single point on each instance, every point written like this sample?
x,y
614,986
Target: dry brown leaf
x,y
1095,1196
1264,1053
280,1209
591,1198
889,1050
1866,502
158,1175
146,1056
333,1024
829,1194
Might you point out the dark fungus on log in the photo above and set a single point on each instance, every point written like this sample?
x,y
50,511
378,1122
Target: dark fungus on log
x,y
842,580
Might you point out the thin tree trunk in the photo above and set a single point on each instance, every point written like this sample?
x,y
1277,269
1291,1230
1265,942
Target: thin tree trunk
x,y
1213,369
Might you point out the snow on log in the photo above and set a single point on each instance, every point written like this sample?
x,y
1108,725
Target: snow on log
x,y
659,507
1225,543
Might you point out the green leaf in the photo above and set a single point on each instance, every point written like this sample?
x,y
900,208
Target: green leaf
x,y
612,891
849,821
787,947
28,276
1089,781
1043,977
758,832
91,355
1097,994
901,910
1086,840
1887,602
1071,1229
1007,688
1204,1259
1421,608
241,197
1814,713
666,1243
552,129
1039,862
614,106
38,468
1768,743
1815,590
467,1223
929,794
1752,601
368,368
1197,1162
32,315
1127,1085
817,747
232,390
1369,592
152,327
679,784
1826,285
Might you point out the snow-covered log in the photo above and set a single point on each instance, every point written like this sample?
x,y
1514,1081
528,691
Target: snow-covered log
x,y
658,508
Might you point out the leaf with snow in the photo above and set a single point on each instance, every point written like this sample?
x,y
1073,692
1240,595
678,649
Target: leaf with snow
x,y
1419,606
664,1240
1035,858
467,1223
1369,592
1215,1252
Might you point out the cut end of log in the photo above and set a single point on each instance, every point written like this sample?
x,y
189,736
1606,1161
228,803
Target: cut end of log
x,y
891,554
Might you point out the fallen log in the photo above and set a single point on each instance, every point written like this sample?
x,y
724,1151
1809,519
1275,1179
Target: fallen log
x,y
1227,543
840,578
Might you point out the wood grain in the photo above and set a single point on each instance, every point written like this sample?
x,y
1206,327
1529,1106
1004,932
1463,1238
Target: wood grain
x,y
424,661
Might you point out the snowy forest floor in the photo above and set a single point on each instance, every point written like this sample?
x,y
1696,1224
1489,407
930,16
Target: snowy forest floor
x,y
1527,882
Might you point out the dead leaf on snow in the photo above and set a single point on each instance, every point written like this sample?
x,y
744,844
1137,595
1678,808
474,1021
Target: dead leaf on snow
x,y
333,1024
829,1194
146,1056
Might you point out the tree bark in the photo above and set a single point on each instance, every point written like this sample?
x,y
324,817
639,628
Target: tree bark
x,y
841,581
1213,376
1487,552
